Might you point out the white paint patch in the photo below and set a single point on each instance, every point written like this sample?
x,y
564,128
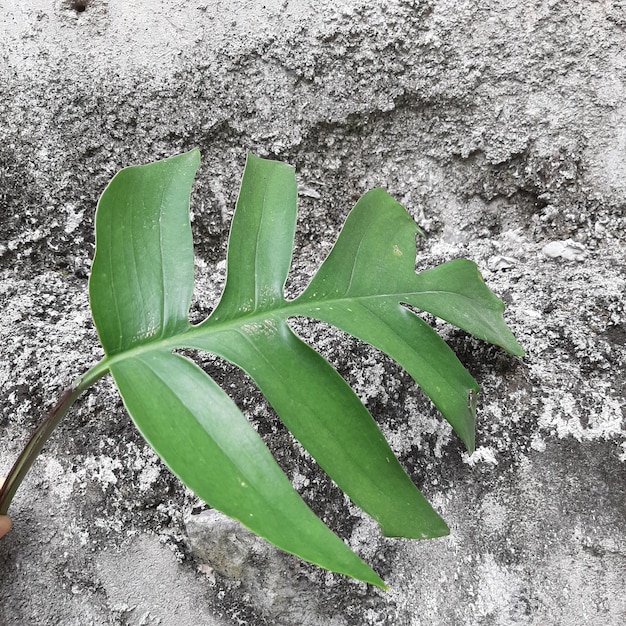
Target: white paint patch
x,y
537,443
299,481
61,482
102,469
148,476
496,586
564,418
568,249
482,454
74,218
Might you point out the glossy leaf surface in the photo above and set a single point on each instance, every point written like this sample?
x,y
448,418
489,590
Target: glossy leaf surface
x,y
208,443
142,281
141,284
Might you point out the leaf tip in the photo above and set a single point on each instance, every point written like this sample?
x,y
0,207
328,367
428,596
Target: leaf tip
x,y
373,579
470,444
195,155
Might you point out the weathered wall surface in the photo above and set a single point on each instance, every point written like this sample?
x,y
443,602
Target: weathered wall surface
x,y
500,125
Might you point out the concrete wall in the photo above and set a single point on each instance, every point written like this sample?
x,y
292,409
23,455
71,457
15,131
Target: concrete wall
x,y
502,128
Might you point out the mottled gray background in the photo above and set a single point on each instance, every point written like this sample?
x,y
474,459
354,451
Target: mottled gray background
x,y
502,128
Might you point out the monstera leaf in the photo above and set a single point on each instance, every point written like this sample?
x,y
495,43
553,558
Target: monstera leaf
x,y
140,291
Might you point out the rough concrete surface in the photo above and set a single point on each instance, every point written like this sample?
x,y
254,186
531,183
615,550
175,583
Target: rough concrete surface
x,y
502,128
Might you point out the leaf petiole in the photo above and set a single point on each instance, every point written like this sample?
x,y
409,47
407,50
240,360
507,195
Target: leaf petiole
x,y
32,449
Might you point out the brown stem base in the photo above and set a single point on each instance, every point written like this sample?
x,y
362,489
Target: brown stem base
x,y
33,447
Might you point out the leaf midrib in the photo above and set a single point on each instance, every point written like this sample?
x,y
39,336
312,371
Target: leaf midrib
x,y
287,308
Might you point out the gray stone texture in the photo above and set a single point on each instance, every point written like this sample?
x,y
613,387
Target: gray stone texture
x,y
502,128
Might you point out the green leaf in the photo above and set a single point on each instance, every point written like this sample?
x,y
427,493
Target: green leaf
x,y
142,274
261,239
211,447
371,270
325,415
140,289
418,348
374,258
456,292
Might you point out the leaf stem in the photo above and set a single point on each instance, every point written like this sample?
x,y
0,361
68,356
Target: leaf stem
x,y
42,433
